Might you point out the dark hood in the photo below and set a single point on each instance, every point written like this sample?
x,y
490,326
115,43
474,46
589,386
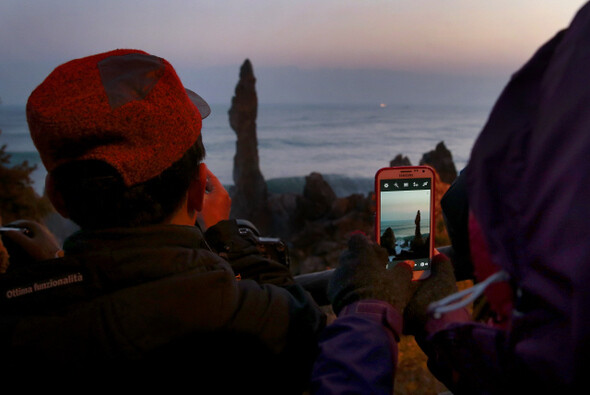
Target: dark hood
x,y
529,169
529,179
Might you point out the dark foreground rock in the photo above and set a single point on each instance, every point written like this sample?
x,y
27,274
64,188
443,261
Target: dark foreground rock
x,y
400,160
441,159
316,224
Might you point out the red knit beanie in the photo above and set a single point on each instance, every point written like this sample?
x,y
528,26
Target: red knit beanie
x,y
123,107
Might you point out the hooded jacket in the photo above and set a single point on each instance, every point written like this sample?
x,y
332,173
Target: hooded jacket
x,y
528,198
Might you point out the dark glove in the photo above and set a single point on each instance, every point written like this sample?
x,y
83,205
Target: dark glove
x,y
241,252
438,285
362,274
35,243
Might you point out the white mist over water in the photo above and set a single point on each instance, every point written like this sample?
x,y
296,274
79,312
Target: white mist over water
x,y
346,143
349,141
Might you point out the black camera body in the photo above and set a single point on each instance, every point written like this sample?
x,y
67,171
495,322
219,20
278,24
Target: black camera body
x,y
270,247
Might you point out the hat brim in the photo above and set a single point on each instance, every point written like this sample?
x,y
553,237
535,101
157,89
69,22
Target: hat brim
x,y
200,103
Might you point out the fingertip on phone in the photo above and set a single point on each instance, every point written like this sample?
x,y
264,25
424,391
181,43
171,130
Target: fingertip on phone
x,y
408,265
420,275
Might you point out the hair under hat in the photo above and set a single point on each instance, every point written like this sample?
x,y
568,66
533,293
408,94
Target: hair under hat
x,y
124,107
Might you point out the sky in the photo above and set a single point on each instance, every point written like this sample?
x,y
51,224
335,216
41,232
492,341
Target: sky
x,y
403,205
304,51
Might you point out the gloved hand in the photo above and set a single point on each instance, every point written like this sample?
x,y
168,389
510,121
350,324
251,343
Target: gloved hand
x,y
438,285
362,274
37,243
216,202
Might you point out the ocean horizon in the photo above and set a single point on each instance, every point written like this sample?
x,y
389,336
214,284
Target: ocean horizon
x,y
345,143
406,228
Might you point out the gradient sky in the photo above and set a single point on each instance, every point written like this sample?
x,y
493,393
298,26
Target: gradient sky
x,y
403,205
465,41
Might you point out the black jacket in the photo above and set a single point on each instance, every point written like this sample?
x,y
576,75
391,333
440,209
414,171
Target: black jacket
x,y
155,305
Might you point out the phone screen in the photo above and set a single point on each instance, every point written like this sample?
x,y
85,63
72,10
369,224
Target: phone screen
x,y
404,220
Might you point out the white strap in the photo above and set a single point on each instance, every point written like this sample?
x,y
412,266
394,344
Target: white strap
x,y
463,298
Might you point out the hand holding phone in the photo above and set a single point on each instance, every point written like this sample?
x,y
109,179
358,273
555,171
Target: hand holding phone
x,y
216,202
29,241
362,274
404,220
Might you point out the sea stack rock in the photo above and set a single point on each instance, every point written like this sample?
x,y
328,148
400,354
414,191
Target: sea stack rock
x,y
249,194
441,160
418,240
318,196
400,160
388,241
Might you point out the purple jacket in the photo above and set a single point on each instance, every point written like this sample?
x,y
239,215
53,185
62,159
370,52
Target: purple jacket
x,y
528,193
528,190
359,352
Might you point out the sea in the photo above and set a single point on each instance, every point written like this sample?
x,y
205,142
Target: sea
x,y
346,143
406,228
